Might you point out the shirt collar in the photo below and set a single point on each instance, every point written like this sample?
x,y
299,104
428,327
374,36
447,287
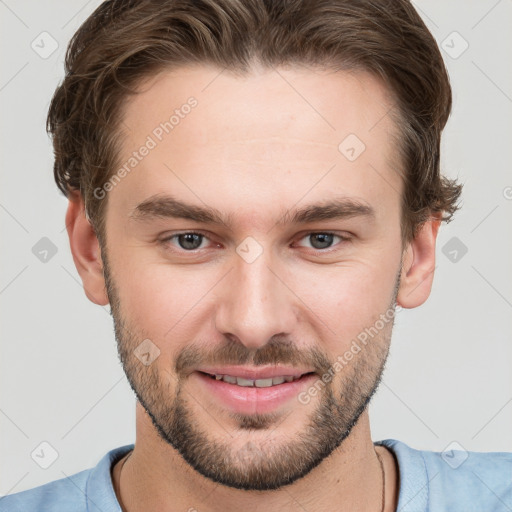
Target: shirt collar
x,y
413,480
99,490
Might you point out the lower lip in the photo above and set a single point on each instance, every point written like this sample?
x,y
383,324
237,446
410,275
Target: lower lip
x,y
253,400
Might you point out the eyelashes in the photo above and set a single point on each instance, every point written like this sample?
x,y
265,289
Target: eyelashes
x,y
192,241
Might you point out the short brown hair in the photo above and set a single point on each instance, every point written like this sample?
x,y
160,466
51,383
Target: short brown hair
x,y
126,41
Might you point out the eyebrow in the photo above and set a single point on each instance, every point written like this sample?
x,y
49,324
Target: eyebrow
x,y
165,206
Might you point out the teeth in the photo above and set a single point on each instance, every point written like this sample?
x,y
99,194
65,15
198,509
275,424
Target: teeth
x,y
242,382
263,383
259,383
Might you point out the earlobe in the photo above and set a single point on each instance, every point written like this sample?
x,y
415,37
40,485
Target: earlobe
x,y
86,251
418,266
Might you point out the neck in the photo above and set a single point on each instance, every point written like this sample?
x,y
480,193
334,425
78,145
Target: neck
x,y
155,477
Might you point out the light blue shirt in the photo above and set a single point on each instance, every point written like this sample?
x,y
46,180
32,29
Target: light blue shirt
x,y
454,481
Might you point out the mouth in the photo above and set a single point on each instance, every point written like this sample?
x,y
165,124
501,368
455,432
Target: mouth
x,y
256,383
250,390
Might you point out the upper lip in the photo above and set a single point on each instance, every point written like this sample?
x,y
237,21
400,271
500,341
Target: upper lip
x,y
254,373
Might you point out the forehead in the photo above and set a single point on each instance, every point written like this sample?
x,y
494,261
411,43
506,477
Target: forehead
x,y
265,138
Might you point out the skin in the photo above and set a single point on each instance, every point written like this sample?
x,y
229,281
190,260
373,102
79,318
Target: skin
x,y
255,147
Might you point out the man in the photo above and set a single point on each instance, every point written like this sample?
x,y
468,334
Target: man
x,y
253,188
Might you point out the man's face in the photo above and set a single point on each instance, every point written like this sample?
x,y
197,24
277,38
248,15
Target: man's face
x,y
264,294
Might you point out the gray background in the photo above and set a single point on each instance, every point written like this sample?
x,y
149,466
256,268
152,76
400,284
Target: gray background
x,y
449,374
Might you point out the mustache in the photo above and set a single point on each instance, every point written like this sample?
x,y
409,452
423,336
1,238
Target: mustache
x,y
230,352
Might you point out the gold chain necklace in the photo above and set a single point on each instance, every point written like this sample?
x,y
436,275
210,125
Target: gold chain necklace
x,y
383,481
119,480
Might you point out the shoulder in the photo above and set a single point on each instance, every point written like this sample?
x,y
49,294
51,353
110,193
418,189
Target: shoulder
x,y
85,491
453,480
63,494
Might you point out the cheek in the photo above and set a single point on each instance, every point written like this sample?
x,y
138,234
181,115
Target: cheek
x,y
162,300
347,299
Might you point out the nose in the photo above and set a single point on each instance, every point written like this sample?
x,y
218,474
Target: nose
x,y
255,303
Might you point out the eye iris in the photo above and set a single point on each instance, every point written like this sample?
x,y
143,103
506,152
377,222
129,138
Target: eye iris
x,y
324,239
190,240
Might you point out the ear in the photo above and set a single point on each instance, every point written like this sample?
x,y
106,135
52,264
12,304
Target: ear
x,y
86,251
418,265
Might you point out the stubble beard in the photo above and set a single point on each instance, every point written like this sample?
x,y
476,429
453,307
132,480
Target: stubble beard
x,y
260,463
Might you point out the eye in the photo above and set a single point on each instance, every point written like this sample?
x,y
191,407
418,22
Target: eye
x,y
323,240
189,241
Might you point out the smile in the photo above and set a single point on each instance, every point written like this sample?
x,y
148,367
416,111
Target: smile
x,y
257,383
